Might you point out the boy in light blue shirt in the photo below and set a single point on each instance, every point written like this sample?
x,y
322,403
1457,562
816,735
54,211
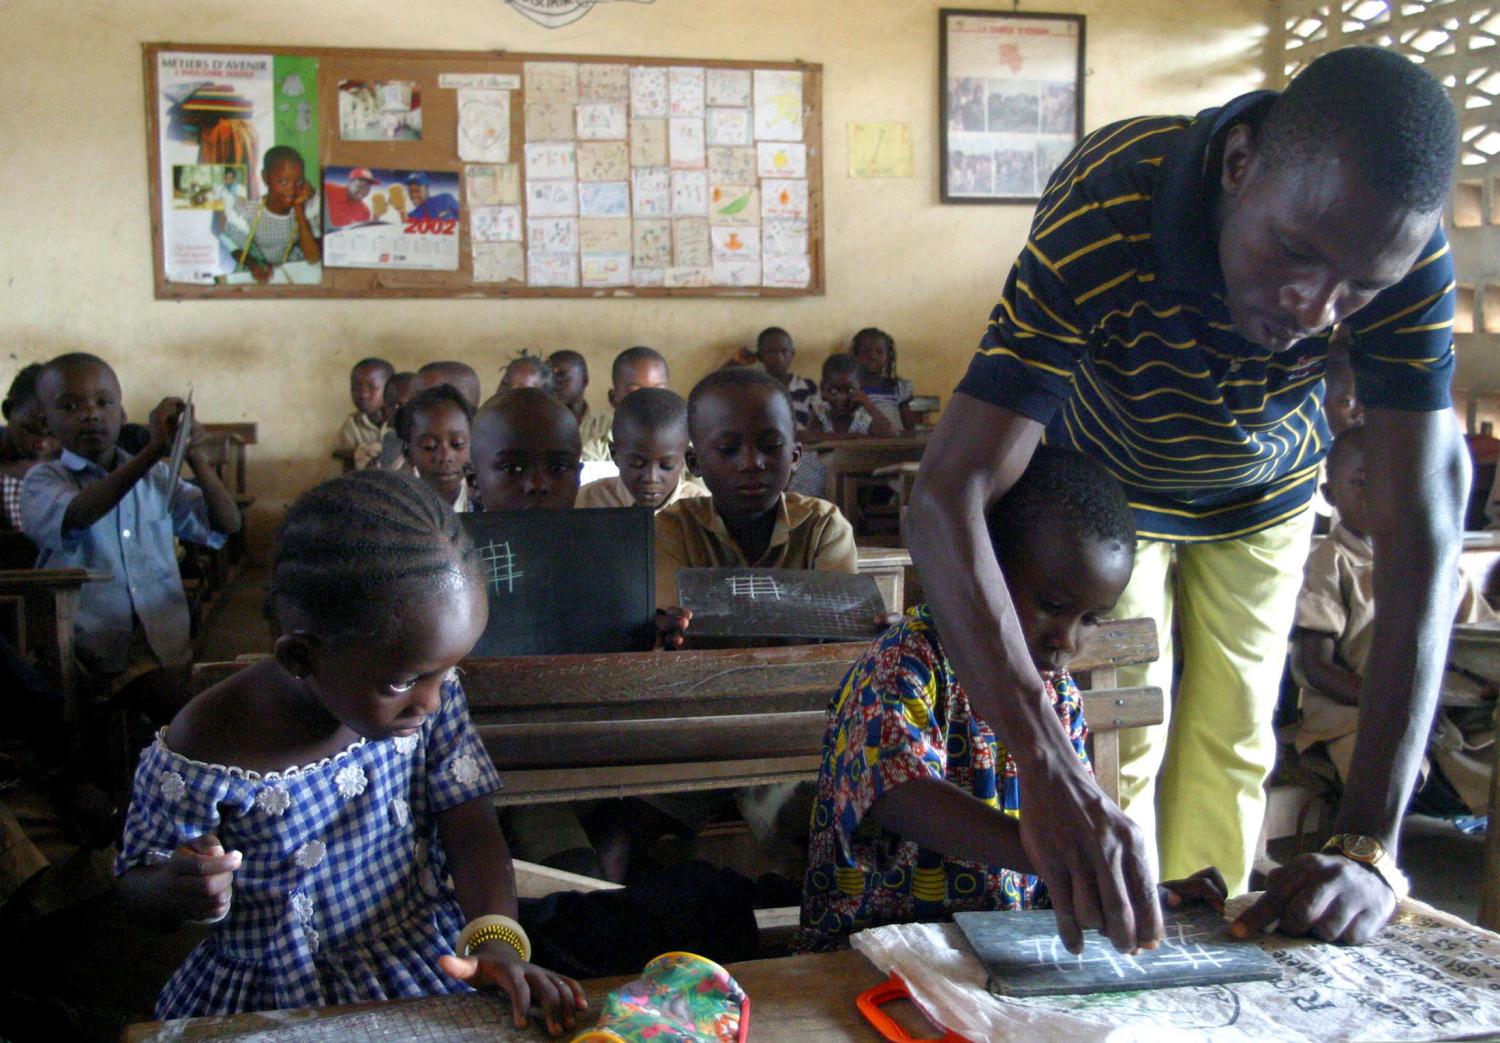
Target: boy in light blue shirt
x,y
101,508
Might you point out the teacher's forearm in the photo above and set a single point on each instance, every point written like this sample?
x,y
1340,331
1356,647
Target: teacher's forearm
x,y
951,548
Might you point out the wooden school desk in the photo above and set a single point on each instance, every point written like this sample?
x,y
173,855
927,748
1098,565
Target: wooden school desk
x,y
849,460
38,606
794,999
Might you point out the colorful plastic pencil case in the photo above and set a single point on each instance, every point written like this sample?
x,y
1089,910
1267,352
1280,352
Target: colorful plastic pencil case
x,y
679,998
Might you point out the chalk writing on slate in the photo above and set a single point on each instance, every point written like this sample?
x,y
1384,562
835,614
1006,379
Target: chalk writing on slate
x,y
566,581
1024,956
784,603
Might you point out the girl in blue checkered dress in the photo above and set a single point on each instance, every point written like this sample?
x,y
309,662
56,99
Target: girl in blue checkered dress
x,y
328,808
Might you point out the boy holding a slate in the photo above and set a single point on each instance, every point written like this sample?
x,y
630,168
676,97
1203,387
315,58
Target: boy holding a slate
x,y
105,510
918,802
745,449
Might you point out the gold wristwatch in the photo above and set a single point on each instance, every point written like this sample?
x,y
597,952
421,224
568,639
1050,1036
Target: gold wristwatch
x,y
1368,851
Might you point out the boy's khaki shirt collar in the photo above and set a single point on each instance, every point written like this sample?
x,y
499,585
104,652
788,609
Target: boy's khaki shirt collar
x,y
788,517
1357,547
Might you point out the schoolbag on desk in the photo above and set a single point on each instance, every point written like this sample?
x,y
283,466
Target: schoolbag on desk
x,y
678,996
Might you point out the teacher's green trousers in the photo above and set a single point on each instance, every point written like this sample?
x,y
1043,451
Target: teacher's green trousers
x,y
1196,781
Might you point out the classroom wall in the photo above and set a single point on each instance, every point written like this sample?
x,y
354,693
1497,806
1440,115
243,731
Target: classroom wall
x,y
77,264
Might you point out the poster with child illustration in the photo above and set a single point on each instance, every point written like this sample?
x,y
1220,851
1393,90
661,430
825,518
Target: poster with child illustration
x,y
219,118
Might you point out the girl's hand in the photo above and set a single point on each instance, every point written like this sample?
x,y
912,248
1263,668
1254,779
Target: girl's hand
x,y
497,964
304,194
200,879
1206,885
262,272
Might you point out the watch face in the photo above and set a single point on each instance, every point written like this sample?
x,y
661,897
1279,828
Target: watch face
x,y
1364,849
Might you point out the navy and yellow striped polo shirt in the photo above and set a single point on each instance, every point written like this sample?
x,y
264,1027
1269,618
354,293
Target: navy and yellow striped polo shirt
x,y
1113,331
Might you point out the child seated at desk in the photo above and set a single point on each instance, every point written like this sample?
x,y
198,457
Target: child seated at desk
x,y
525,452
842,409
392,454
917,799
650,437
570,383
525,456
25,442
364,428
102,509
745,449
377,871
460,374
875,350
1331,638
634,368
434,431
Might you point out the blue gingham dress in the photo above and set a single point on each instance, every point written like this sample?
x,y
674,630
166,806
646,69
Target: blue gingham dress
x,y
343,894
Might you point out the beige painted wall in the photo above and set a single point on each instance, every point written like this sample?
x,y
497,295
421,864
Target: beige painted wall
x,y
76,265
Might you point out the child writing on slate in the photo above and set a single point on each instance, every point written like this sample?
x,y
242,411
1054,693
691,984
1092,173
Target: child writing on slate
x,y
101,508
434,431
875,350
917,799
372,868
745,449
650,437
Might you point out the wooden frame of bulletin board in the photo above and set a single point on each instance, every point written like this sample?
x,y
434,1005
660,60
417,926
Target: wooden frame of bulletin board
x,y
639,198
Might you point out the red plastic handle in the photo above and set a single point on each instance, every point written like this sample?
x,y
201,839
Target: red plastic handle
x,y
893,988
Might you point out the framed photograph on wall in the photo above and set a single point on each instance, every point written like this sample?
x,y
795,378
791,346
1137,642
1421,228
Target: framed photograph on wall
x,y
1011,99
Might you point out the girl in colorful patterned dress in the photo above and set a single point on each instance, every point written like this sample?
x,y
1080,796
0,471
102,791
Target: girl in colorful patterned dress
x,y
916,815
329,808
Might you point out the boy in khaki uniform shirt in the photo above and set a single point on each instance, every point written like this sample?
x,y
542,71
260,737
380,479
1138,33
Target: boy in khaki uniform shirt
x,y
1335,625
745,449
650,437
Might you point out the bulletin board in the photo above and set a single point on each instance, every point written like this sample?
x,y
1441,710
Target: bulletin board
x,y
481,174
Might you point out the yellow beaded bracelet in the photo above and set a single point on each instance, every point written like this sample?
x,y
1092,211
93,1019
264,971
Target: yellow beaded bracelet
x,y
493,927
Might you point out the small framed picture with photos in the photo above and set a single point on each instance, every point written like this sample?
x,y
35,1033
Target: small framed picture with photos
x,y
1011,98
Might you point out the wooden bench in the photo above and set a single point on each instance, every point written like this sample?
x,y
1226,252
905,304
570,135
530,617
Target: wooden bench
x,y
579,727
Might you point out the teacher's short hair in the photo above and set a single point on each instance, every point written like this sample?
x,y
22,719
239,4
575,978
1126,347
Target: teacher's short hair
x,y
1388,114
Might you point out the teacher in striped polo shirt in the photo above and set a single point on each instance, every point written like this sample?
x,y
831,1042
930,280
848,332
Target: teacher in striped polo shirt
x,y
1169,316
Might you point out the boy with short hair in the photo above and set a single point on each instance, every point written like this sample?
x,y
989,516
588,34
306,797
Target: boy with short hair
x,y
1331,639
570,382
100,508
365,427
745,449
650,437
634,368
460,374
525,452
391,455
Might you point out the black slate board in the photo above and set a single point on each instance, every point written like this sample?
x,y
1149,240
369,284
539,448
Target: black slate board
x,y
1025,957
786,603
567,581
